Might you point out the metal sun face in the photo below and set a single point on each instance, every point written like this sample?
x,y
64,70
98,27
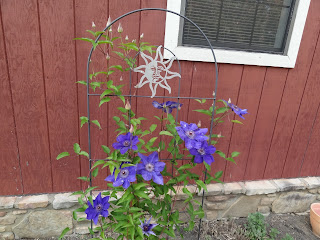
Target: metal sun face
x,y
155,72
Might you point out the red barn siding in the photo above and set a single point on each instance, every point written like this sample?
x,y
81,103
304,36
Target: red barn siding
x,y
41,104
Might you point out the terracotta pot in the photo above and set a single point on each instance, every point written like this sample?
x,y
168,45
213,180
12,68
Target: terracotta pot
x,y
315,218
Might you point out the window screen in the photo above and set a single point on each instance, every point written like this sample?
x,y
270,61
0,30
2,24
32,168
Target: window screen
x,y
251,25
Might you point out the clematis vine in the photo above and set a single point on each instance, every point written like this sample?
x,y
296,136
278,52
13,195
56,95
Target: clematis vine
x,y
126,142
167,106
236,109
150,168
191,134
147,227
203,153
124,178
100,207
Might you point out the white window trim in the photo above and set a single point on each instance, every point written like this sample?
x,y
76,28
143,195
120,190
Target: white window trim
x,y
287,60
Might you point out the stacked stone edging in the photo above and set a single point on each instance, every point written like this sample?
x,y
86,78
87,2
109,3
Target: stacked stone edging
x,y
46,215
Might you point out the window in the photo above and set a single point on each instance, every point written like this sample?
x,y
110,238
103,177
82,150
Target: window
x,y
254,32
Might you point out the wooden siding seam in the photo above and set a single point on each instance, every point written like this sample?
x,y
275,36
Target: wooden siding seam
x,y
275,124
11,99
76,74
227,152
304,88
254,125
45,94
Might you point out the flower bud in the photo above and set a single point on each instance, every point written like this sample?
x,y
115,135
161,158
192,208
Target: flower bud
x,y
213,94
107,56
133,40
109,21
141,36
219,135
131,129
199,124
127,38
121,79
229,101
120,29
127,106
159,150
93,25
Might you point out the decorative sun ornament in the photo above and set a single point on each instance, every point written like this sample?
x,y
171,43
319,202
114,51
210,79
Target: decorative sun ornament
x,y
155,72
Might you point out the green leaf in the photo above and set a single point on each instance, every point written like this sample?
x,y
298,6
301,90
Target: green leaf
x,y
104,100
95,172
84,179
141,194
82,82
83,120
166,133
207,112
235,154
96,122
218,174
76,148
139,185
84,153
67,229
186,166
236,121
106,92
105,149
119,67
221,110
97,163
221,154
153,127
63,154
201,184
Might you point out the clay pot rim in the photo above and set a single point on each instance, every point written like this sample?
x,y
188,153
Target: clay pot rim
x,y
312,208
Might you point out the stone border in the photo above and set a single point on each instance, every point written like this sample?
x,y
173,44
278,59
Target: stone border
x,y
46,215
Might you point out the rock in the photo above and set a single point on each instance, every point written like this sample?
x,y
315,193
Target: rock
x,y
242,207
2,229
2,214
219,198
43,224
213,189
18,212
233,188
81,230
7,236
264,209
27,202
7,202
289,184
267,201
10,219
312,190
259,187
217,205
64,200
212,215
312,182
293,202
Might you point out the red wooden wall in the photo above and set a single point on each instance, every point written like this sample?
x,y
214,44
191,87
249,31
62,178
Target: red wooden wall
x,y
41,104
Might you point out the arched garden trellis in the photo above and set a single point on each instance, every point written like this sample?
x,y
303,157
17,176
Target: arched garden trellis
x,y
130,96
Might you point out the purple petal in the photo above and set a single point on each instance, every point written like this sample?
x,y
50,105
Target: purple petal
x,y
157,105
105,213
124,150
117,145
95,219
143,158
118,182
189,143
208,159
98,199
110,178
135,140
193,151
140,167
159,166
198,159
126,184
134,147
183,124
153,157
193,126
131,178
121,138
146,175
210,149
149,220
157,178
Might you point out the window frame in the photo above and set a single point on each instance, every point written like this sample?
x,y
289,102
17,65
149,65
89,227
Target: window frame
x,y
285,60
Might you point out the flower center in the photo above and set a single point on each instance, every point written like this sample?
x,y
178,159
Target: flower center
x,y
124,173
149,167
126,143
190,134
201,151
99,207
146,228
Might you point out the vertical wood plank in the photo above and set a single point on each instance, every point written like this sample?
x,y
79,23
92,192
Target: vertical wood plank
x,y
10,173
61,90
228,87
292,95
249,98
26,76
306,116
265,122
86,12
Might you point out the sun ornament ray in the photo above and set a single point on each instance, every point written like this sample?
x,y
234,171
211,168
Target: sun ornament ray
x,y
156,72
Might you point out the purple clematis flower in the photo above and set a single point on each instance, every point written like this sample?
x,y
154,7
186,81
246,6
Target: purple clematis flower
x,y
192,135
167,106
203,153
147,227
236,109
126,142
124,178
100,207
151,168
